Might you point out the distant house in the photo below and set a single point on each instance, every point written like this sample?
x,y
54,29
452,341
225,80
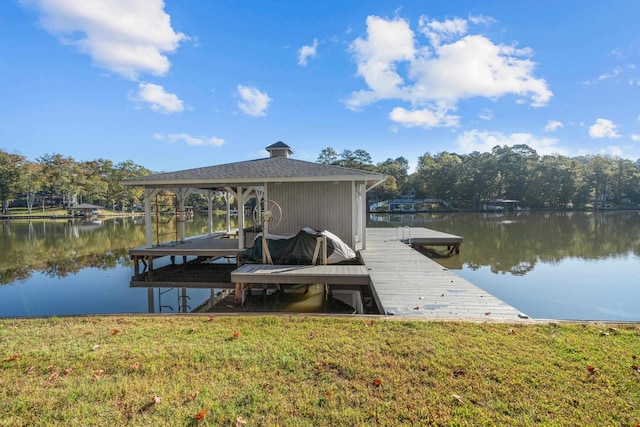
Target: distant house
x,y
323,197
86,210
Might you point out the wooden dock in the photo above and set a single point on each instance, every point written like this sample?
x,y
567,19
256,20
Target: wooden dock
x,y
407,283
216,245
403,281
336,275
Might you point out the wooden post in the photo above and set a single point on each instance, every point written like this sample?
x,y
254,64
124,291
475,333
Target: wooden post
x,y
239,293
150,302
324,250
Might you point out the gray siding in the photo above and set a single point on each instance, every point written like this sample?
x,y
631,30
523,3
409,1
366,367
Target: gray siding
x,y
319,205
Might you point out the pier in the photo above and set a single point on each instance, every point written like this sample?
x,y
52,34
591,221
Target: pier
x,y
407,283
403,281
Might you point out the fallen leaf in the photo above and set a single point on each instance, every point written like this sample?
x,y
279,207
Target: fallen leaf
x,y
88,332
67,371
114,332
209,319
12,358
512,332
329,393
53,376
236,334
193,395
460,373
96,347
240,422
635,368
99,374
487,313
377,382
200,415
417,307
136,366
458,398
612,329
591,369
50,368
312,335
147,406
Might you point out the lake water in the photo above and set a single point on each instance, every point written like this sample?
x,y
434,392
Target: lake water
x,y
575,265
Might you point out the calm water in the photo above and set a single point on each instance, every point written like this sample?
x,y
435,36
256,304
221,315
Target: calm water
x,y
575,265
561,265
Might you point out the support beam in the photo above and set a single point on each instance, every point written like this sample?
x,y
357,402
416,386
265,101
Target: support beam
x,y
240,202
181,218
149,194
227,198
209,197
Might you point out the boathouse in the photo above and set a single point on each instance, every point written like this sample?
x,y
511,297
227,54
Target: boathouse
x,y
306,194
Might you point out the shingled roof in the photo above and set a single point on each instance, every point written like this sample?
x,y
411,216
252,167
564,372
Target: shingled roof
x,y
271,169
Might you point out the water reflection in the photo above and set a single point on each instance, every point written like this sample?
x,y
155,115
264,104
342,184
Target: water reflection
x,y
562,265
60,248
580,265
516,242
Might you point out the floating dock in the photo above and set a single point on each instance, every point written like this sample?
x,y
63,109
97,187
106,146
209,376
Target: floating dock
x,y
407,283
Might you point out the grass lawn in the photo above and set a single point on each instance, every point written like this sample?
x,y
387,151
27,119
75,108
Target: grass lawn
x,y
315,371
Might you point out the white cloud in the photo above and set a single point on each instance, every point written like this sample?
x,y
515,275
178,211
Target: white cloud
x,y
252,101
613,150
603,128
614,73
123,36
423,118
476,140
482,20
437,31
553,125
306,52
173,138
158,99
387,42
635,137
449,67
486,114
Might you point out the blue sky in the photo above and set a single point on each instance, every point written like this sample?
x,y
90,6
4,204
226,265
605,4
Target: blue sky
x,y
179,84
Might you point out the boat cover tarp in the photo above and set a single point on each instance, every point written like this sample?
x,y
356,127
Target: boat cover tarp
x,y
299,249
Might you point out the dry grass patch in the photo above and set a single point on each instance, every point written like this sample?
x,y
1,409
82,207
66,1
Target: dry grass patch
x,y
315,371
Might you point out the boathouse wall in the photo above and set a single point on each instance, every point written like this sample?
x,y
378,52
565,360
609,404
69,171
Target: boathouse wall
x,y
319,205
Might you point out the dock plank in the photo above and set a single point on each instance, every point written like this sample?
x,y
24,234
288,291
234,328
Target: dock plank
x,y
301,274
407,283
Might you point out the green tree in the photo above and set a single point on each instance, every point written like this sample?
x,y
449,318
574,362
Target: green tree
x,y
30,182
328,156
478,178
60,176
10,168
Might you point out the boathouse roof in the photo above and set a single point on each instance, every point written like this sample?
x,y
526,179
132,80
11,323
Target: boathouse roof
x,y
277,168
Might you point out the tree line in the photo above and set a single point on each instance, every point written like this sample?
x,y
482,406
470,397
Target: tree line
x,y
56,180
509,172
464,180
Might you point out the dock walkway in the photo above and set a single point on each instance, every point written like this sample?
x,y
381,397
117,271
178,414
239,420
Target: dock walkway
x,y
407,283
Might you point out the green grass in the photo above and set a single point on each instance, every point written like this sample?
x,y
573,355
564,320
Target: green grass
x,y
315,371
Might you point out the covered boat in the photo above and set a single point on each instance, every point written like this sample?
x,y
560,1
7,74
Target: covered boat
x,y
304,248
